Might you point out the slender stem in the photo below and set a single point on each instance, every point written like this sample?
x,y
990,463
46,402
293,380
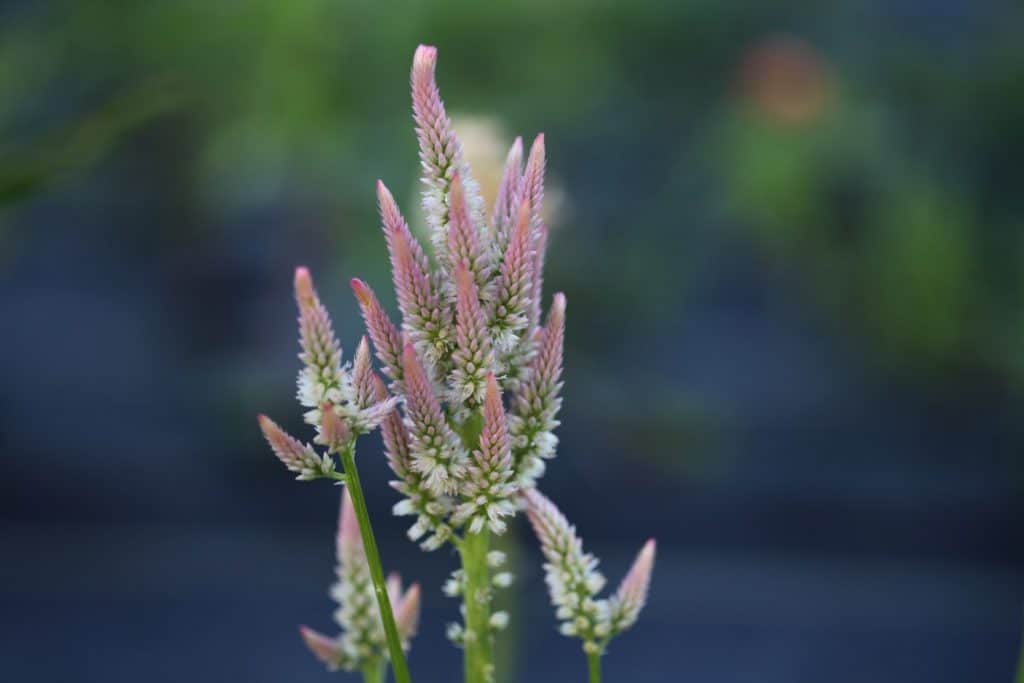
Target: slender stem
x,y
373,672
477,653
355,490
594,665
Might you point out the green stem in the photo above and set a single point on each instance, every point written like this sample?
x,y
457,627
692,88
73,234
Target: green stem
x,y
373,672
594,665
355,490
477,651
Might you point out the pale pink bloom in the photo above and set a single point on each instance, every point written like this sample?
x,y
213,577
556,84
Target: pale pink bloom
x,y
435,450
425,318
512,291
387,341
321,377
571,574
504,208
537,402
473,357
464,236
327,650
362,375
630,598
296,456
440,152
429,508
334,432
488,489
407,613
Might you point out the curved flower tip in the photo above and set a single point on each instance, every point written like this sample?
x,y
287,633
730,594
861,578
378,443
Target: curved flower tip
x,y
557,306
296,456
327,650
407,612
425,57
364,295
304,292
350,543
334,432
631,595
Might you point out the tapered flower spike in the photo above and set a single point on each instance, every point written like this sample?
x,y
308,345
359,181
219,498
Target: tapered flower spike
x,y
504,208
429,508
296,456
473,357
407,613
540,244
464,236
512,291
488,490
425,318
571,575
327,650
387,341
362,375
630,598
440,152
536,405
321,377
532,183
334,432
435,450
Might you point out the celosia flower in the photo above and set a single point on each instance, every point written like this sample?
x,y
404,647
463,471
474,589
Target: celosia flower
x,y
574,582
488,488
362,639
296,456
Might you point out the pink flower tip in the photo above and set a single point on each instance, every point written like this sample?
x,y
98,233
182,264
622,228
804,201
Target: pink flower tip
x,y
426,55
362,291
326,649
304,286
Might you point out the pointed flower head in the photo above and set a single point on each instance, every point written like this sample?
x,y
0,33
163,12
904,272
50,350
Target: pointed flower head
x,y
407,613
510,301
387,340
488,490
464,236
630,598
334,432
536,405
327,650
296,456
321,376
440,152
473,357
435,450
504,209
425,317
571,575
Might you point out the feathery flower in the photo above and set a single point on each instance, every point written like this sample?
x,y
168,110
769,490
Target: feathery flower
x,y
488,488
440,152
464,236
387,341
513,286
624,607
473,357
536,405
434,449
296,456
571,575
321,377
429,508
362,376
362,640
504,209
425,318
334,432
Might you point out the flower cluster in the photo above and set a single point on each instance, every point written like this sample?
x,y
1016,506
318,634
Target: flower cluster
x,y
343,401
478,372
574,582
362,641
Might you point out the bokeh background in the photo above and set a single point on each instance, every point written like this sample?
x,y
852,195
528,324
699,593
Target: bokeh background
x,y
792,240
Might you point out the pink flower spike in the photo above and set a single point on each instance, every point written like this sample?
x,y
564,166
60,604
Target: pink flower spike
x,y
503,203
463,236
631,596
321,377
473,357
297,457
407,613
362,375
511,295
349,540
327,650
334,432
533,180
387,341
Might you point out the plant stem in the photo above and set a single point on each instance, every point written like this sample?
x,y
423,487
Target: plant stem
x,y
373,672
477,652
594,665
355,490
